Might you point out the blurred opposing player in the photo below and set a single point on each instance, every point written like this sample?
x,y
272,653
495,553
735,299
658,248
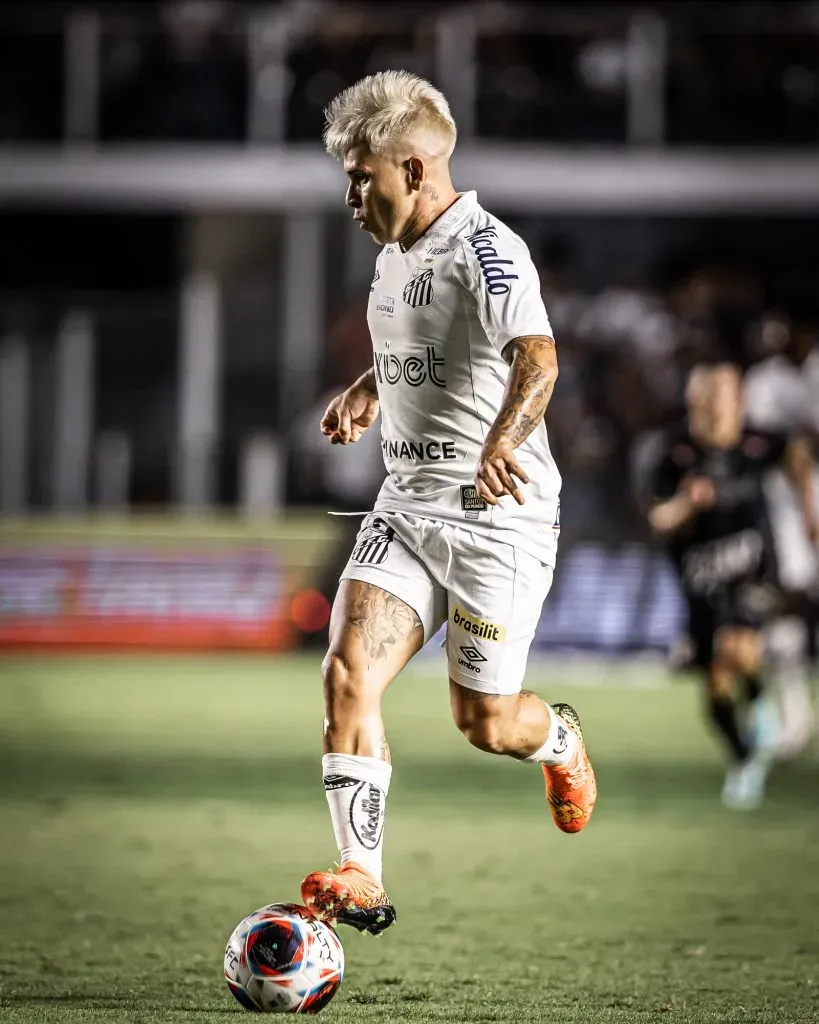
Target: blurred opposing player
x,y
711,510
782,394
464,530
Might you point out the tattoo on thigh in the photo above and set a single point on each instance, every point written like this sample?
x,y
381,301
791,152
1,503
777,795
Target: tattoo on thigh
x,y
382,620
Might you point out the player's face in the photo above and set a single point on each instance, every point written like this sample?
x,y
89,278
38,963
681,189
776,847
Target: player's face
x,y
726,405
379,193
697,398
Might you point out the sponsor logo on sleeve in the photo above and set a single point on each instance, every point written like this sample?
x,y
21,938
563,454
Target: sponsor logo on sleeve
x,y
493,266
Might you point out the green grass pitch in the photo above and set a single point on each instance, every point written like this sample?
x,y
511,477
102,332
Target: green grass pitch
x,y
147,804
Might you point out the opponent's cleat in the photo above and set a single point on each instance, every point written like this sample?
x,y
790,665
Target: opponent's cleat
x,y
349,896
571,789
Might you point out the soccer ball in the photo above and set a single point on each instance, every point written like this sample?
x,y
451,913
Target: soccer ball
x,y
282,959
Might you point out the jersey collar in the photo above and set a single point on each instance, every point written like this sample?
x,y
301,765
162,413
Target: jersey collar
x,y
447,223
460,210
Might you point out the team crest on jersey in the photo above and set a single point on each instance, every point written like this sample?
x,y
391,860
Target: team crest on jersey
x,y
418,290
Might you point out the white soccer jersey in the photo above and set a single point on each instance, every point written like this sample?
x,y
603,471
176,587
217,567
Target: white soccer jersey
x,y
440,315
782,396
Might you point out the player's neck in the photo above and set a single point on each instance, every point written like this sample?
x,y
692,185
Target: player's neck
x,y
717,440
438,201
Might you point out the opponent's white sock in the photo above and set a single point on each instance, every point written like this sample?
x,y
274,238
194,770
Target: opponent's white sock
x,y
787,653
356,789
560,746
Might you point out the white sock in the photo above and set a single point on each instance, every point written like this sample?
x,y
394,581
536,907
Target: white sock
x,y
787,653
560,746
356,790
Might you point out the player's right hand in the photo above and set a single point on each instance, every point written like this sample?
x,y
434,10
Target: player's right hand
x,y
700,491
349,414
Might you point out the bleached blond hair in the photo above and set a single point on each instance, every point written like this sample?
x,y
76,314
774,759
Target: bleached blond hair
x,y
384,109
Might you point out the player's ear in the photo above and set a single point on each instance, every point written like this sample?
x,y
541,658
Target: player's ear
x,y
415,173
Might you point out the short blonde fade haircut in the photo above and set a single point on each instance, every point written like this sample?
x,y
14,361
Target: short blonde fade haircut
x,y
384,109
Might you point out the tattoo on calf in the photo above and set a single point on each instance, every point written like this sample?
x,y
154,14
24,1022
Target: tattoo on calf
x,y
381,620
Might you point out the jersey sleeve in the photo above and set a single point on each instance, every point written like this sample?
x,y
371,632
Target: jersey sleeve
x,y
765,406
498,271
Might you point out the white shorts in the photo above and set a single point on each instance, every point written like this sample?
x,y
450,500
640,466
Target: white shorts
x,y
489,593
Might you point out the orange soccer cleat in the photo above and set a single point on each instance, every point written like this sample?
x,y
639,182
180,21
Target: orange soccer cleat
x,y
350,896
571,789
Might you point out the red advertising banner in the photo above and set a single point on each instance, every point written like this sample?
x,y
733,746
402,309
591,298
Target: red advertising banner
x,y
135,596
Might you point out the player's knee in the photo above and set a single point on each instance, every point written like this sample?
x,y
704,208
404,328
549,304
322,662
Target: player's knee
x,y
483,724
787,640
738,651
720,682
727,651
487,734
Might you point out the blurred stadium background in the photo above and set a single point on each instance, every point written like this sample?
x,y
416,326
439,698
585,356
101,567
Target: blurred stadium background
x,y
181,290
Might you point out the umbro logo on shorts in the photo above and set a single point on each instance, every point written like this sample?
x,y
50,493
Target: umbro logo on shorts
x,y
373,545
472,654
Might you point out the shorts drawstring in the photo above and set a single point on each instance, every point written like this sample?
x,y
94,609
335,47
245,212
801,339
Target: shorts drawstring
x,y
432,524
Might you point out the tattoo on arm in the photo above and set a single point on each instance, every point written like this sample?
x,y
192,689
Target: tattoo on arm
x,y
381,620
528,389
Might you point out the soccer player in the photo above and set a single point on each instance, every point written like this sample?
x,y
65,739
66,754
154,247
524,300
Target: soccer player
x,y
464,529
710,507
782,394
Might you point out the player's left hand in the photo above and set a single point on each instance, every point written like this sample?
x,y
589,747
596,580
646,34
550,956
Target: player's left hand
x,y
497,468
